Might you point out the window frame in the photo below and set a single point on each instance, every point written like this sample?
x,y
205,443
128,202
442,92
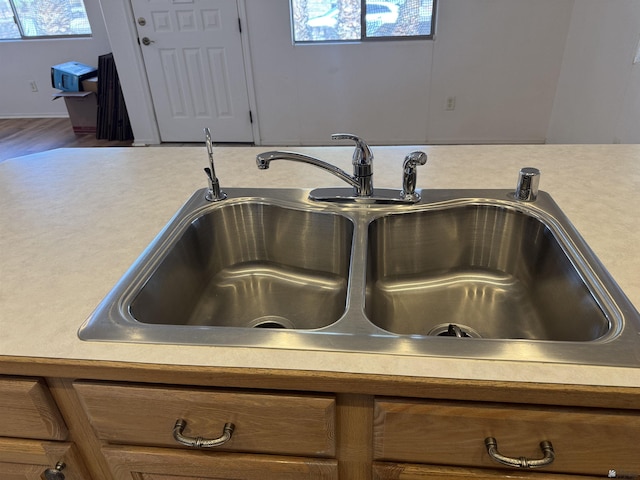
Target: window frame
x,y
18,22
364,38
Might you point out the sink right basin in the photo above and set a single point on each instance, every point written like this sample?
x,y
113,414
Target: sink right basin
x,y
476,271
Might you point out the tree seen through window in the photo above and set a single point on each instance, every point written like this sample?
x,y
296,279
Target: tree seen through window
x,y
42,18
353,20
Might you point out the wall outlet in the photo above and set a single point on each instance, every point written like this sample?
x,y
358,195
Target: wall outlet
x,y
34,86
450,104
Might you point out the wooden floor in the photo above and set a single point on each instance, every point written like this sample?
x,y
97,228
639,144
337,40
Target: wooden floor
x,y
24,136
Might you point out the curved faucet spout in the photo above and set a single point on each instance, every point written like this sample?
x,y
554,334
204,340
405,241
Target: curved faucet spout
x,y
263,160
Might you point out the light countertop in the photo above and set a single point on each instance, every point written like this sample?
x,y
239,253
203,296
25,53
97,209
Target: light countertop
x,y
73,220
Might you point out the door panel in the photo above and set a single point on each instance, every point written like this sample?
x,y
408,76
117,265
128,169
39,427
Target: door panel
x,y
193,56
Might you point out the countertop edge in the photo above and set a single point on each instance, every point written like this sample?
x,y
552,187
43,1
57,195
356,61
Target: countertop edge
x,y
549,393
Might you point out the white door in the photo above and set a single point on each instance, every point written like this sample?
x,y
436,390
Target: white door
x,y
192,51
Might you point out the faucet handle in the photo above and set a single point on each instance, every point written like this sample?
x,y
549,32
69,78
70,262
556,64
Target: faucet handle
x,y
363,154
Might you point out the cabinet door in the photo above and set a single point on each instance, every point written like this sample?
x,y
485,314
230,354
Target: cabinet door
x,y
133,463
16,471
28,459
404,471
28,411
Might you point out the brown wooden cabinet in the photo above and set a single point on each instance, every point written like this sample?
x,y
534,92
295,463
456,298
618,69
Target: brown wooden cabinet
x,y
585,441
290,426
407,471
294,433
33,433
264,422
131,463
27,410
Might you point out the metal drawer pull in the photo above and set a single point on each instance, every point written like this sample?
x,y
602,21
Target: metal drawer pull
x,y
55,473
522,462
200,442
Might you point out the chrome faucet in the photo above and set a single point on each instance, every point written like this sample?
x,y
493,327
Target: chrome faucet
x,y
362,179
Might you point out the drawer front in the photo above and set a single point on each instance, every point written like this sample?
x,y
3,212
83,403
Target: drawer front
x,y
585,441
407,471
266,423
28,459
27,410
129,463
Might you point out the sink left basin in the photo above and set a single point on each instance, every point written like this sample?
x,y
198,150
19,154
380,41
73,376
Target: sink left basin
x,y
243,263
251,265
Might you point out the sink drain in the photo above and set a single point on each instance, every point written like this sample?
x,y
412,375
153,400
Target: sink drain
x,y
271,321
453,330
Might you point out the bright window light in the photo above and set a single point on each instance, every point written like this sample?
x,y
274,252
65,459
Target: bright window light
x,y
42,19
355,20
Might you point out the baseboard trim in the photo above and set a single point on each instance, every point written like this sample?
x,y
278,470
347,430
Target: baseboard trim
x,y
19,116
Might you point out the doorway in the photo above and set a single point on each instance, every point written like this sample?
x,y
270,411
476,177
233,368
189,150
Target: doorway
x,y
194,60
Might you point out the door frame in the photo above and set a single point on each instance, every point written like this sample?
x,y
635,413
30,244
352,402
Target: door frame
x,y
248,69
123,37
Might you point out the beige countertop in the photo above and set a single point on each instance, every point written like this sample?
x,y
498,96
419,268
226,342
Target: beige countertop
x,y
73,220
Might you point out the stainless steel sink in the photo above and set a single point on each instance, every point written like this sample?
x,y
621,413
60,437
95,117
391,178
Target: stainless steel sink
x,y
477,270
462,273
251,264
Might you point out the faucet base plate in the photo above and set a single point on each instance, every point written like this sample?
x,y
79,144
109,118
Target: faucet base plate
x,y
381,196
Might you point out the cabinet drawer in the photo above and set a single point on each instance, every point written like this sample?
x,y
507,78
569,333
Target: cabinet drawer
x,y
585,441
27,410
128,463
266,423
407,471
28,459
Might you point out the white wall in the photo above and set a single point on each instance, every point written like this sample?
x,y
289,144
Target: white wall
x,y
306,92
628,126
598,94
505,61
24,61
500,58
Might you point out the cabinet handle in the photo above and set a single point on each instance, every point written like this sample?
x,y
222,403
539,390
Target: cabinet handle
x,y
200,442
55,473
522,462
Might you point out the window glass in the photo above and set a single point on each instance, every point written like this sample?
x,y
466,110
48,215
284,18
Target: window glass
x,y
48,18
8,28
349,20
326,20
397,18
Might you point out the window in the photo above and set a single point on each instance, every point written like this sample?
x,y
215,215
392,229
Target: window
x,y
354,20
42,19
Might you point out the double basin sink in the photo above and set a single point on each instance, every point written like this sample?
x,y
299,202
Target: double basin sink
x,y
462,273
